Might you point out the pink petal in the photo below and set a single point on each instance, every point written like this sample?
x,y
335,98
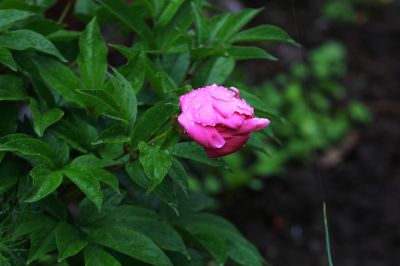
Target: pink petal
x,y
231,145
206,136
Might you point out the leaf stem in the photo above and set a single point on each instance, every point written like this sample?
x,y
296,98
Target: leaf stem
x,y
64,12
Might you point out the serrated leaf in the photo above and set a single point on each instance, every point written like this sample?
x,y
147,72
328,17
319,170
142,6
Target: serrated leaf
x,y
156,162
27,39
248,52
215,70
45,182
60,78
7,59
129,16
263,33
92,58
86,182
9,17
193,151
130,243
98,257
41,121
178,173
68,240
11,88
152,120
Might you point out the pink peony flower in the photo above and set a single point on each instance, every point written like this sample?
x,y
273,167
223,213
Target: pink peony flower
x,y
216,118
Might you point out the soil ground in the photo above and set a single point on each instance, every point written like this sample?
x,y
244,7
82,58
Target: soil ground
x,y
362,191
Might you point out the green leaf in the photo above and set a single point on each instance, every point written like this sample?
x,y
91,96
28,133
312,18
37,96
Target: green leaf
x,y
89,161
45,182
85,7
98,257
162,83
216,70
156,162
176,65
134,71
125,97
164,191
220,238
92,59
41,121
152,120
26,39
168,13
9,17
146,222
93,166
63,36
68,240
178,173
26,146
86,182
193,151
42,241
88,212
201,23
60,78
28,67
259,105
129,16
106,178
11,89
224,26
114,134
131,243
77,133
248,52
7,59
263,33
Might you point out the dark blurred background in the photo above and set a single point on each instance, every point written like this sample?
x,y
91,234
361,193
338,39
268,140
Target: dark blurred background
x,y
357,174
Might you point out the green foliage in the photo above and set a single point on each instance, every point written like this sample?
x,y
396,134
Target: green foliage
x,y
92,162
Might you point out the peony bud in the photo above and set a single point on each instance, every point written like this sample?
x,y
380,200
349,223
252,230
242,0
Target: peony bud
x,y
216,118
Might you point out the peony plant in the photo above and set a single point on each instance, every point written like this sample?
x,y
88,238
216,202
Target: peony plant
x,y
93,157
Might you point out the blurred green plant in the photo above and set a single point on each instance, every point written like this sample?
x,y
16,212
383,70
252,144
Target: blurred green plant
x,y
311,98
351,11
